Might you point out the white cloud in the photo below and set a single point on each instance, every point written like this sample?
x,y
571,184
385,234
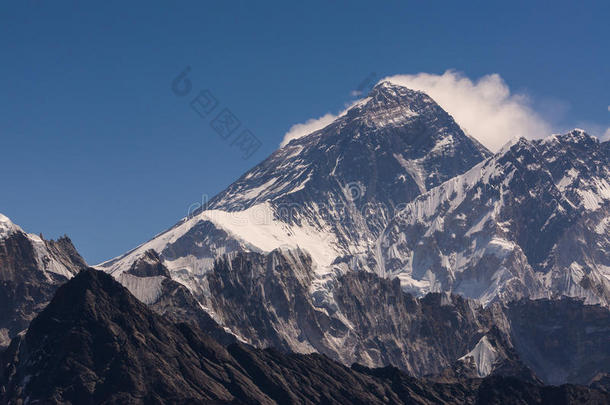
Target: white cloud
x,y
314,124
484,108
306,128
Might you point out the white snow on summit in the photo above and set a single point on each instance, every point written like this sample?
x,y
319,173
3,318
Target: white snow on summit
x,y
7,227
46,259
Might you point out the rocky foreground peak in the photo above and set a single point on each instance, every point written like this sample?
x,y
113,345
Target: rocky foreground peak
x,y
31,268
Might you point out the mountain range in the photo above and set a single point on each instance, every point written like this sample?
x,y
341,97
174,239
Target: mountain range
x,y
389,238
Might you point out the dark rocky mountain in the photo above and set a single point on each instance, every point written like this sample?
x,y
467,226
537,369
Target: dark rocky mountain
x,y
96,343
492,355
31,269
601,382
372,321
149,281
561,340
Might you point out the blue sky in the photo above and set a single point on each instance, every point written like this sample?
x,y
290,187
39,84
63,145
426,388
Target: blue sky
x,y
95,144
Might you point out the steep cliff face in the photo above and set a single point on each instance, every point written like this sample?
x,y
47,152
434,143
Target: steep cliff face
x,y
422,336
150,282
492,355
267,300
96,343
31,269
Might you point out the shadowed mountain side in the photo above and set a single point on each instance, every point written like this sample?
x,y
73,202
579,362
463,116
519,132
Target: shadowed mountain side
x,y
96,343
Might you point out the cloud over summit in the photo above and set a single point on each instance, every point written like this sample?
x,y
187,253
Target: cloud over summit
x,y
485,108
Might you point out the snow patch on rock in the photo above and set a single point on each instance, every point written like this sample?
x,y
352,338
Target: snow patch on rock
x,y
483,355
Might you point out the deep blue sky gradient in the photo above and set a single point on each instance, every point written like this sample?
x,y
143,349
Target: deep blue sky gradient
x,y
94,144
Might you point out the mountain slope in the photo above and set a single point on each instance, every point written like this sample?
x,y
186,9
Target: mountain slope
x,y
96,343
32,268
561,340
330,193
527,222
266,300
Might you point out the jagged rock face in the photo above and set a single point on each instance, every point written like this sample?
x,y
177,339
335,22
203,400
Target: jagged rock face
x,y
528,222
95,343
422,336
31,269
330,193
267,301
578,263
177,304
601,382
20,249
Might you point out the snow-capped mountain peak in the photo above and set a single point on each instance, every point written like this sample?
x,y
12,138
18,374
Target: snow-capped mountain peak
x,y
57,257
502,229
331,192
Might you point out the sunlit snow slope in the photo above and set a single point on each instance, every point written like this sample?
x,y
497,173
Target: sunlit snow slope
x,y
530,221
330,193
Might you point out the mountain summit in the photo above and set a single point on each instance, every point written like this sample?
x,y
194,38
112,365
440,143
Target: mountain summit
x,y
330,193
